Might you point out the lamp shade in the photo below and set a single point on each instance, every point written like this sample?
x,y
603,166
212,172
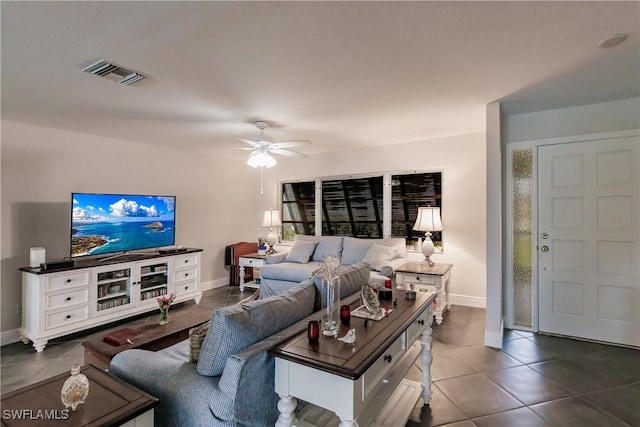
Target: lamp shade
x,y
428,220
259,159
271,218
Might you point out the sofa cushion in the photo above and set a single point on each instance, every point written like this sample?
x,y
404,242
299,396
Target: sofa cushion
x,y
301,251
289,271
380,255
354,250
352,278
236,327
399,243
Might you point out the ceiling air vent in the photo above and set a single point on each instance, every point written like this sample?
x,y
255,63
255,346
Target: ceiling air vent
x,y
113,72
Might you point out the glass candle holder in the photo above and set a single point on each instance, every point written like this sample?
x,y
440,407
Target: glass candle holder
x,y
313,331
388,284
345,314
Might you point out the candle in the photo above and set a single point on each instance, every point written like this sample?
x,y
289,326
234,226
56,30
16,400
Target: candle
x,y
313,331
345,314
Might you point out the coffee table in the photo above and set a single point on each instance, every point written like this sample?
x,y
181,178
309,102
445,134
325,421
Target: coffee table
x,y
154,336
111,402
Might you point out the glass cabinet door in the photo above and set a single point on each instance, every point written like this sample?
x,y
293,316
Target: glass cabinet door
x,y
154,280
114,289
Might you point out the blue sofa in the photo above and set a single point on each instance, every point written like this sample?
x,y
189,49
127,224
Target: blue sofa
x,y
233,382
285,269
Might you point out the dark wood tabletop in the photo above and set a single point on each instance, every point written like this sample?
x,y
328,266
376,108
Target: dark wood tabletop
x,y
111,402
352,360
437,269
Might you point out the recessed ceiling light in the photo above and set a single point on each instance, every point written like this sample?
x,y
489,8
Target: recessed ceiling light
x,y
614,40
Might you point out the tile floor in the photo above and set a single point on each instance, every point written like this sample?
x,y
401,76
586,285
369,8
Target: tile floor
x,y
535,380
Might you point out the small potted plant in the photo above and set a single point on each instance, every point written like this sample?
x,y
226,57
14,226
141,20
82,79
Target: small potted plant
x,y
262,246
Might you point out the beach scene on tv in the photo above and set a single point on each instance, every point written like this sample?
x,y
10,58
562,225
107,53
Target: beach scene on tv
x,y
108,223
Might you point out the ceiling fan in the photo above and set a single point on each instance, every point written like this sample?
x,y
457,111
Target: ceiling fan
x,y
262,146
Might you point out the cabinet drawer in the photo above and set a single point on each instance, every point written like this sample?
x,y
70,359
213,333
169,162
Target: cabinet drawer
x,y
419,279
252,262
185,287
66,299
63,318
185,274
413,332
67,280
375,375
185,261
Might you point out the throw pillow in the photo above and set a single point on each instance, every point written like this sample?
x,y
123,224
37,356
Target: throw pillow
x,y
196,337
379,255
236,327
301,252
354,250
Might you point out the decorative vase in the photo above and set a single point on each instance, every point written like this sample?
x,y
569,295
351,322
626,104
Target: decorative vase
x,y
331,304
164,315
75,389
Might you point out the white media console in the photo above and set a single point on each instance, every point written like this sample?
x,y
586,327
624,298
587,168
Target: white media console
x,y
63,301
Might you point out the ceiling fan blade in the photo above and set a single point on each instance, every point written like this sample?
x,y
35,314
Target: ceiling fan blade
x,y
287,153
243,148
287,144
250,142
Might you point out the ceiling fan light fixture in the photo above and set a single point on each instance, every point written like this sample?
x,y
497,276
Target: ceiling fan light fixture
x,y
260,159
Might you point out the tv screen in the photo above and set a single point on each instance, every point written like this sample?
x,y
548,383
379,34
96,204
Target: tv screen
x,y
109,223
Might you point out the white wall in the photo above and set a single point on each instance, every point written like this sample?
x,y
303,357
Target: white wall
x,y
583,120
42,166
494,325
462,158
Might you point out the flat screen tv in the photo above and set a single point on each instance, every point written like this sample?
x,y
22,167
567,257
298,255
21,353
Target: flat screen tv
x,y
112,223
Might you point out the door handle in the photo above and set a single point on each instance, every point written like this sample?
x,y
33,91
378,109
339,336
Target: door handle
x,y
545,248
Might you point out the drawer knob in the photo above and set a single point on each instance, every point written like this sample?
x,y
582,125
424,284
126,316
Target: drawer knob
x,y
418,278
388,358
68,280
68,299
68,316
186,274
421,322
186,261
186,288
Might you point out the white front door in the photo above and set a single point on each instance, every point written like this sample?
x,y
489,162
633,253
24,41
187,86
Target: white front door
x,y
588,236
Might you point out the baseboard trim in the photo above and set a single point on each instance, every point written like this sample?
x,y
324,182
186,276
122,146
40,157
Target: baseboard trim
x,y
213,284
9,337
467,301
494,339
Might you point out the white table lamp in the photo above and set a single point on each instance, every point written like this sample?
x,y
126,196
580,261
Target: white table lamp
x,y
271,220
428,220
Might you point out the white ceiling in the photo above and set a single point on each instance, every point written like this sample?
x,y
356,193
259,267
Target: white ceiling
x,y
343,74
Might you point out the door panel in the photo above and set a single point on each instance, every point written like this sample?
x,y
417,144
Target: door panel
x,y
588,266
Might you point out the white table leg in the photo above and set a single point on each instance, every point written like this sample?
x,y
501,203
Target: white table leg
x,y
286,406
440,301
426,358
241,277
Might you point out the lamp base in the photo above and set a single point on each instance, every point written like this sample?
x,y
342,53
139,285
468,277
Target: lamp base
x,y
428,262
428,249
271,240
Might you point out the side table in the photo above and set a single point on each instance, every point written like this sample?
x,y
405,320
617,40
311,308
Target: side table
x,y
422,277
254,260
111,402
